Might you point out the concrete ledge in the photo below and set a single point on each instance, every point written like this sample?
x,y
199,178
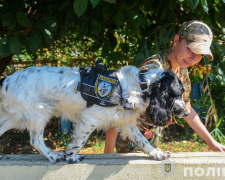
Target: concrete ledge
x,y
115,166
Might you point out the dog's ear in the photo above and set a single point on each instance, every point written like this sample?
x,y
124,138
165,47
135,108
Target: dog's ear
x,y
157,111
177,86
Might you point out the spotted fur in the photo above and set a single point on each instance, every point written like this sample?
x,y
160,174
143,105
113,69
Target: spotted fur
x,y
31,97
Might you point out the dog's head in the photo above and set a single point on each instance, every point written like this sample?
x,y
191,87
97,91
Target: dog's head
x,y
166,99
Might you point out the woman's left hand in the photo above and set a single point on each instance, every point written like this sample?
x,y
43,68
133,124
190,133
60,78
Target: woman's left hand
x,y
215,146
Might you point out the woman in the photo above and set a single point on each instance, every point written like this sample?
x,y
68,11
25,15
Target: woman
x,y
189,45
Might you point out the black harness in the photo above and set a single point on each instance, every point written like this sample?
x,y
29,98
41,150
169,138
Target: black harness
x,y
102,87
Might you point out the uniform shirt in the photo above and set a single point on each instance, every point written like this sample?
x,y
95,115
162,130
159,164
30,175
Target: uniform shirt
x,y
162,60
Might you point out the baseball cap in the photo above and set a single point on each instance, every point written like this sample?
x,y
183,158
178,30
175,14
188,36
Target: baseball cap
x,y
198,37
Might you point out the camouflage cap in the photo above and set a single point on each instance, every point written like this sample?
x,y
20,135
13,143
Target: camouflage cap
x,y
198,37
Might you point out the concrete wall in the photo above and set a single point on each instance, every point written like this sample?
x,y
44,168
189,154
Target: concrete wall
x,y
116,166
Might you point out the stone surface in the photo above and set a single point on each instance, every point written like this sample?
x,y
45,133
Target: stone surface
x,y
114,166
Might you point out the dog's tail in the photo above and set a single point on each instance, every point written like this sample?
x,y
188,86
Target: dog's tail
x,y
1,82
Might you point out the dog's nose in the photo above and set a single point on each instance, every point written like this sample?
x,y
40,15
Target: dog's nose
x,y
186,113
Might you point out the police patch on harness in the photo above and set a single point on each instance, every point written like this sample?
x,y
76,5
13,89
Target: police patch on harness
x,y
104,86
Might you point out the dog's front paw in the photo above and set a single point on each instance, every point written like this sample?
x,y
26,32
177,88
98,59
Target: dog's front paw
x,y
159,155
55,157
72,158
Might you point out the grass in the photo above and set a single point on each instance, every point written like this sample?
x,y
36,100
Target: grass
x,y
173,146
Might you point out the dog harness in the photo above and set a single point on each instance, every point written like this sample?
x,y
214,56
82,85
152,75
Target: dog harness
x,y
102,87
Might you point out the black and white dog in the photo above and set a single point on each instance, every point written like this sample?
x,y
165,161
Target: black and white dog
x,y
30,97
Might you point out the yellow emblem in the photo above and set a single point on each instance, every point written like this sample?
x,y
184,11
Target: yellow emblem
x,y
167,167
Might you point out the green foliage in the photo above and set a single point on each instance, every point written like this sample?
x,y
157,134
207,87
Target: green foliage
x,y
116,30
62,138
102,23
80,6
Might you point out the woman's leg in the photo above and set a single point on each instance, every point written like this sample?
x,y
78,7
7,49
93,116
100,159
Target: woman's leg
x,y
110,140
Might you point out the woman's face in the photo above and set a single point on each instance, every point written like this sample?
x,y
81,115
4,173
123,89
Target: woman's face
x,y
184,56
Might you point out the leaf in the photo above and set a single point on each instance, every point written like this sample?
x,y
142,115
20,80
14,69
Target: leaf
x,y
193,4
95,47
105,50
115,57
172,4
1,42
34,41
51,23
15,45
119,18
62,33
70,18
94,2
52,7
110,1
83,30
148,53
106,11
22,39
142,22
157,46
22,19
64,7
219,70
138,59
7,18
112,40
13,23
171,33
205,5
96,27
80,6
5,51
147,4
136,18
221,17
163,39
142,44
128,15
164,16
19,4
47,37
125,47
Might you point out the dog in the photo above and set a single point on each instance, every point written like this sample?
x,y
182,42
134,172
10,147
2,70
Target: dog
x,y
31,97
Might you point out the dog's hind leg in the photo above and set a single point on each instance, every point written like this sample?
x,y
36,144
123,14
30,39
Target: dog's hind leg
x,y
5,127
135,135
81,132
37,141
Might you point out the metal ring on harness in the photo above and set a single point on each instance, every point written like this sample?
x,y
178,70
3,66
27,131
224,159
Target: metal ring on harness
x,y
75,87
147,89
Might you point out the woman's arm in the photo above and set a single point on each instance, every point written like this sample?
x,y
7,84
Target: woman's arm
x,y
195,122
110,140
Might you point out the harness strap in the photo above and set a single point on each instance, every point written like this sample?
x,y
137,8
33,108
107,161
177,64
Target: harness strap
x,y
144,84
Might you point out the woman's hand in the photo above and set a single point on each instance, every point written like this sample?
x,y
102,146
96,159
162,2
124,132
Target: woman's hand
x,y
215,146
